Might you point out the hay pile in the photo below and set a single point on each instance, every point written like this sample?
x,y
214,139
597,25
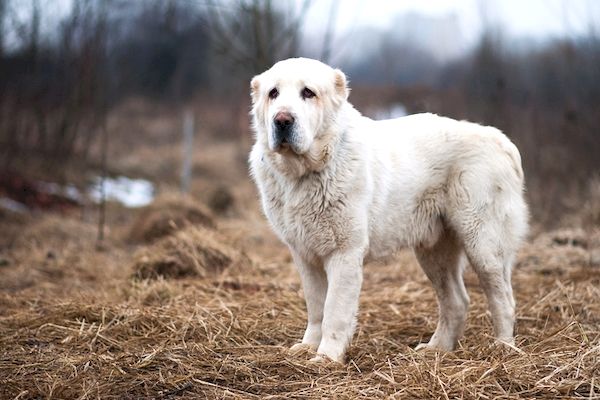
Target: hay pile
x,y
221,200
168,214
192,252
558,250
181,241
51,251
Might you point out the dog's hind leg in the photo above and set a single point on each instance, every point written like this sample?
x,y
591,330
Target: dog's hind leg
x,y
493,267
490,242
443,264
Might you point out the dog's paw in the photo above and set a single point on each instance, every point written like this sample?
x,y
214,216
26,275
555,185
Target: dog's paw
x,y
509,342
322,359
506,345
425,347
329,353
432,347
300,348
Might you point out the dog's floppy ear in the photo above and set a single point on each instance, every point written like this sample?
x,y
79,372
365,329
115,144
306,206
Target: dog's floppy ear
x,y
341,84
255,88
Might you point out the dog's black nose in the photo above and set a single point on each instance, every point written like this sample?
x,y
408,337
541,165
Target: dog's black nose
x,y
283,121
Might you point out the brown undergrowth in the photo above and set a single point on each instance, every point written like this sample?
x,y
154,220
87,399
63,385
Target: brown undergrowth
x,y
87,326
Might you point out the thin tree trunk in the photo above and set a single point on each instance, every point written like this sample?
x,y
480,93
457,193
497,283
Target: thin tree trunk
x,y
104,162
187,150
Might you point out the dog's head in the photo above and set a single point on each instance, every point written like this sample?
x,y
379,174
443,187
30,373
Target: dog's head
x,y
295,103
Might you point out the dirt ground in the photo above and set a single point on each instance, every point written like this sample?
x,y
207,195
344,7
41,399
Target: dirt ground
x,y
195,298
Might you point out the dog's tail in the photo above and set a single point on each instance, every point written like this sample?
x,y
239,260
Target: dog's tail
x,y
515,157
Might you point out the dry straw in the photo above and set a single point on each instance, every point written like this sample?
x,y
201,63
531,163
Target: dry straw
x,y
208,334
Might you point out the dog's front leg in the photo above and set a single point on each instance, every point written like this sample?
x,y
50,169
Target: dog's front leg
x,y
314,285
344,277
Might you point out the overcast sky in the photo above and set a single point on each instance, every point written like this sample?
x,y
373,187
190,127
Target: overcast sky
x,y
519,17
534,18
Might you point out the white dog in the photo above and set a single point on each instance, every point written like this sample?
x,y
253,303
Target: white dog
x,y
339,188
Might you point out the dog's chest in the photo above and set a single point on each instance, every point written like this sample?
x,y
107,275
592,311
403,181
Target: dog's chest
x,y
310,215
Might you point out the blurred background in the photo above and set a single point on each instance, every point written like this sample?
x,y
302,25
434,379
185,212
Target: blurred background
x,y
135,261
151,96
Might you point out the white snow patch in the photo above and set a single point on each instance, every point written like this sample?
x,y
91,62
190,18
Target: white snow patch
x,y
129,192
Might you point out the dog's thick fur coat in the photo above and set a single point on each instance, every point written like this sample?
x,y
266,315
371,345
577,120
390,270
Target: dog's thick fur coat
x,y
339,188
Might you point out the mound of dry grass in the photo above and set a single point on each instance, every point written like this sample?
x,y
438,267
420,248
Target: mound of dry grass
x,y
192,252
221,200
55,229
168,214
584,209
557,251
590,215
50,251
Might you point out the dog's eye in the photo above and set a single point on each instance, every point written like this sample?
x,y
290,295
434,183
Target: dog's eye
x,y
273,93
307,93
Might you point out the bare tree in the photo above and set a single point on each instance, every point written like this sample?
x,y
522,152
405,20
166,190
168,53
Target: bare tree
x,y
251,35
328,36
54,93
3,13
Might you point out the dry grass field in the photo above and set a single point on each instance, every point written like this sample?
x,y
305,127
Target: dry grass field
x,y
187,301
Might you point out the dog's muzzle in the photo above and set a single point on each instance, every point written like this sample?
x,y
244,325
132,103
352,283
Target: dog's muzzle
x,y
283,128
